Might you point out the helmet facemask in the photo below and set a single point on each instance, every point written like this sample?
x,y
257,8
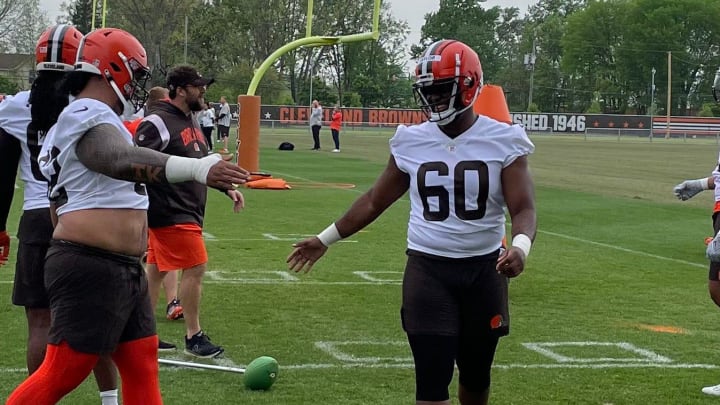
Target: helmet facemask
x,y
442,100
133,93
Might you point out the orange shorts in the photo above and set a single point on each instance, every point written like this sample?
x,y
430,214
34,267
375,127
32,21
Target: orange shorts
x,y
176,247
716,208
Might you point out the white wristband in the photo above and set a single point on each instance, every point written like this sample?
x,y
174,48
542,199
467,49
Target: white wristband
x,y
522,242
179,168
702,183
330,235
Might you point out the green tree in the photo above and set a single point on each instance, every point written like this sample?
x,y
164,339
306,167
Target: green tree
x,y
78,13
8,86
590,44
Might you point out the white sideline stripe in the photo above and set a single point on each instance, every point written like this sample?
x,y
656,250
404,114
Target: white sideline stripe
x,y
311,366
622,249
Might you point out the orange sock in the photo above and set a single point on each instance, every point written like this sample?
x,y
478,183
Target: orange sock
x,y
61,371
137,362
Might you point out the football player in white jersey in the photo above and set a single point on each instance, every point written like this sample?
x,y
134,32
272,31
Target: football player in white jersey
x,y
93,273
24,121
685,191
461,169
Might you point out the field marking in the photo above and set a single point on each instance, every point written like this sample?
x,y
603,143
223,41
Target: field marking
x,y
367,275
622,249
333,349
646,355
286,277
208,236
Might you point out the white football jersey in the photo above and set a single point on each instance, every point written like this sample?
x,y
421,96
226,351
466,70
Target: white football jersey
x,y
72,185
457,204
15,120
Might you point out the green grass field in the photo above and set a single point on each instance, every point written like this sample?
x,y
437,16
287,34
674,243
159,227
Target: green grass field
x,y
616,256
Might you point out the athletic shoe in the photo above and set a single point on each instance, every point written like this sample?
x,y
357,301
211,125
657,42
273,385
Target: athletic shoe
x,y
174,310
225,151
336,150
199,346
165,346
712,390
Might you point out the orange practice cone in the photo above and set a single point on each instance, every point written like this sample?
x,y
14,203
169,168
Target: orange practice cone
x,y
491,103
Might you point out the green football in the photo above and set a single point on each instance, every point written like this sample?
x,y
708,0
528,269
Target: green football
x,y
261,373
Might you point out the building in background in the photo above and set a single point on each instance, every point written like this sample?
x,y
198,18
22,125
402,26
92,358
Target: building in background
x,y
19,69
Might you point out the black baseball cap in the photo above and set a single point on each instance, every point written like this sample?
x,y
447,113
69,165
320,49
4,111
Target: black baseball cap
x,y
185,75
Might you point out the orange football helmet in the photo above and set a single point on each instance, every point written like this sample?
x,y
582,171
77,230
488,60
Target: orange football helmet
x,y
119,58
57,47
448,77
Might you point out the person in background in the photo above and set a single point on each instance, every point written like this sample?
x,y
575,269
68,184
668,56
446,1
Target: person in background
x,y
461,170
316,123
24,121
174,310
207,122
335,124
223,123
177,211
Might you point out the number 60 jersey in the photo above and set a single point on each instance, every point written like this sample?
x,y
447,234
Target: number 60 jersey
x,y
457,203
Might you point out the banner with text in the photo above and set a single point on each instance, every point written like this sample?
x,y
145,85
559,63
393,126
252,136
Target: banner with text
x,y
536,122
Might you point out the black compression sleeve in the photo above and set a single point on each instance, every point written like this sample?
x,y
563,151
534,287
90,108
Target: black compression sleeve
x,y
9,158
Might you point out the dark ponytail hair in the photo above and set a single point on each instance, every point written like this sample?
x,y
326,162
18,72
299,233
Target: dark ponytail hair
x,y
47,100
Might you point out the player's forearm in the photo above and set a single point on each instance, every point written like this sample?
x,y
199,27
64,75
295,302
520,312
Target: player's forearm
x,y
361,214
524,222
102,149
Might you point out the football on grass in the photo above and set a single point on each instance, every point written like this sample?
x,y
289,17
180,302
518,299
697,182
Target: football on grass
x,y
261,373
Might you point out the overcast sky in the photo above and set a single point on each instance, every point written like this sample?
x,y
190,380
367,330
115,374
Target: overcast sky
x,y
412,11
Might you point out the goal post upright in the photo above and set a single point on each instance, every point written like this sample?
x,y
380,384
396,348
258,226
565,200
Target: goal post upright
x,y
248,136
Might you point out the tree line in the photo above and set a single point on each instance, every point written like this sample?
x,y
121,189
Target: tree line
x,y
567,55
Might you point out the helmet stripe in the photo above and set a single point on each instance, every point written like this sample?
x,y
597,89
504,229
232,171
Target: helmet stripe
x,y
426,66
55,43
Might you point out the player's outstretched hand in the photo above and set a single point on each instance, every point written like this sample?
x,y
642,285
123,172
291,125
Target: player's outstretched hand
x,y
305,254
4,247
511,262
225,175
689,188
237,198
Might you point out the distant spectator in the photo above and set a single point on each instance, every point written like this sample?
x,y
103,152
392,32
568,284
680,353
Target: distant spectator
x,y
335,127
207,118
316,123
223,123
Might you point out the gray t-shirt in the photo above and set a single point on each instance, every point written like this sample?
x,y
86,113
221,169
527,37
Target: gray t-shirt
x,y
316,116
224,109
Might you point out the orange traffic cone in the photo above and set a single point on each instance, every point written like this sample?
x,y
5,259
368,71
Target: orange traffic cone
x,y
491,103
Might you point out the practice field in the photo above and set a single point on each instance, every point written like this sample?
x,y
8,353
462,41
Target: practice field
x,y
612,307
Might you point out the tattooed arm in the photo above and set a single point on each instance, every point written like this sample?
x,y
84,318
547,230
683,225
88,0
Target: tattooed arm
x,y
102,149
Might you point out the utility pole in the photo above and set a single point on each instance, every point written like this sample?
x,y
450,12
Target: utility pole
x,y
652,101
669,95
530,64
186,39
